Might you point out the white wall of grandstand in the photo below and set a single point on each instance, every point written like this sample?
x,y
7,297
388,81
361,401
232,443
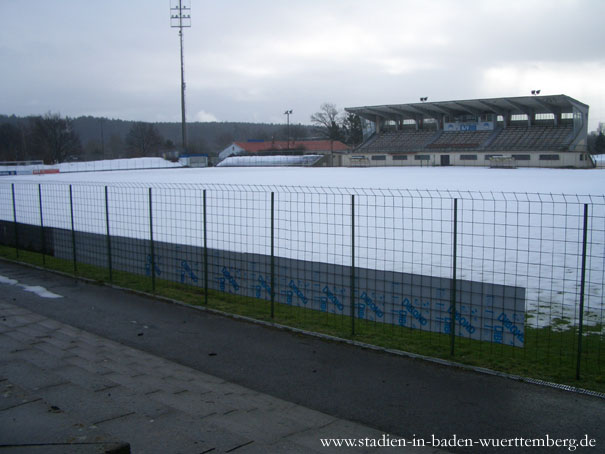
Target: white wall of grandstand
x,y
532,131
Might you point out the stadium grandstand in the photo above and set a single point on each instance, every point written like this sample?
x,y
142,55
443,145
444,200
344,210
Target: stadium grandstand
x,y
530,131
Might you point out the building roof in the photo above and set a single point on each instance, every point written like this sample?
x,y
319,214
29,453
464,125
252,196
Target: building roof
x,y
293,145
516,105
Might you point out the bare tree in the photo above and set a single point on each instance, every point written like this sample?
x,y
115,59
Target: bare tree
x,y
328,121
143,139
53,138
329,124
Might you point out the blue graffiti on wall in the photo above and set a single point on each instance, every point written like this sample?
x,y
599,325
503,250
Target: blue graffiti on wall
x,y
431,312
498,334
186,271
403,318
372,305
332,298
229,278
462,321
263,285
415,312
511,327
156,268
298,292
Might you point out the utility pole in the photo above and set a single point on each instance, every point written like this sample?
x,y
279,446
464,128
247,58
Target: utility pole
x,y
287,113
180,17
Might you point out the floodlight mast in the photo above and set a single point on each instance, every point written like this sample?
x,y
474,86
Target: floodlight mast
x,y
180,17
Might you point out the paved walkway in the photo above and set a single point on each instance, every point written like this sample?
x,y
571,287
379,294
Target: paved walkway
x,y
105,365
67,390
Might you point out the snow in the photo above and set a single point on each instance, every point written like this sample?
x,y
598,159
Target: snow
x,y
42,292
269,161
515,226
97,166
524,180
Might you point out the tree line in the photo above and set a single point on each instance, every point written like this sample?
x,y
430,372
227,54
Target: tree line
x,y
53,138
596,140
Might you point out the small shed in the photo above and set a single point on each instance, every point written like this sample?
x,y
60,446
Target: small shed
x,y
194,160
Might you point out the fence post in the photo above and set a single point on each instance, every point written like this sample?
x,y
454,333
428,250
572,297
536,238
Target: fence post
x,y
453,286
205,252
151,242
582,290
109,265
73,231
272,284
15,221
43,238
353,264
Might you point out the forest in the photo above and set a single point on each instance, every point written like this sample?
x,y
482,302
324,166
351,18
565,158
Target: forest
x,y
53,138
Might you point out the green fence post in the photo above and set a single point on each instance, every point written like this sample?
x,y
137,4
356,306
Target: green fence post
x,y
353,264
582,290
73,231
109,265
272,282
15,221
454,277
43,238
151,242
205,253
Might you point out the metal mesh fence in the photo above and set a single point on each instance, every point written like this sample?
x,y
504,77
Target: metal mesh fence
x,y
494,276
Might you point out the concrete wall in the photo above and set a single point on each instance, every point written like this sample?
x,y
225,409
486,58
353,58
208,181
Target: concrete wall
x,y
555,159
485,311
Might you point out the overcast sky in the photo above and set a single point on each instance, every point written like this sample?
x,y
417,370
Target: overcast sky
x,y
250,60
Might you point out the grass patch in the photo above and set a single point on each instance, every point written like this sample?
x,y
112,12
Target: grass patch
x,y
549,353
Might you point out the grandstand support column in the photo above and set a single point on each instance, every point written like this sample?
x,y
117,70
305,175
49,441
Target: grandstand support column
x,y
377,124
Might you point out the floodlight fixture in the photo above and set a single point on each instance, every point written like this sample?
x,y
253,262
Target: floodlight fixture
x,y
535,92
180,17
424,99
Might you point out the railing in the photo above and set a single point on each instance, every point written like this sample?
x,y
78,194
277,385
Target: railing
x,y
511,281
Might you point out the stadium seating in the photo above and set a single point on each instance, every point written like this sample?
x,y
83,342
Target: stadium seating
x,y
512,138
399,141
460,140
516,138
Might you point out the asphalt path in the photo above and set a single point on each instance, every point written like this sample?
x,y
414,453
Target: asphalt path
x,y
395,394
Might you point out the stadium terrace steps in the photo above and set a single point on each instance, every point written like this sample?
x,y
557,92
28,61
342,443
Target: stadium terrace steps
x,y
513,138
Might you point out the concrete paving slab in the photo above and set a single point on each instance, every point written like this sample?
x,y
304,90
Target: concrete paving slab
x,y
27,420
72,391
28,375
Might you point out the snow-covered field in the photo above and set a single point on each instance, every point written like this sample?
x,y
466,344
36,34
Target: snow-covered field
x,y
97,166
548,181
520,227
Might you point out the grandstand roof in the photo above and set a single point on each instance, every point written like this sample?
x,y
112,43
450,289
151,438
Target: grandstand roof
x,y
517,105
